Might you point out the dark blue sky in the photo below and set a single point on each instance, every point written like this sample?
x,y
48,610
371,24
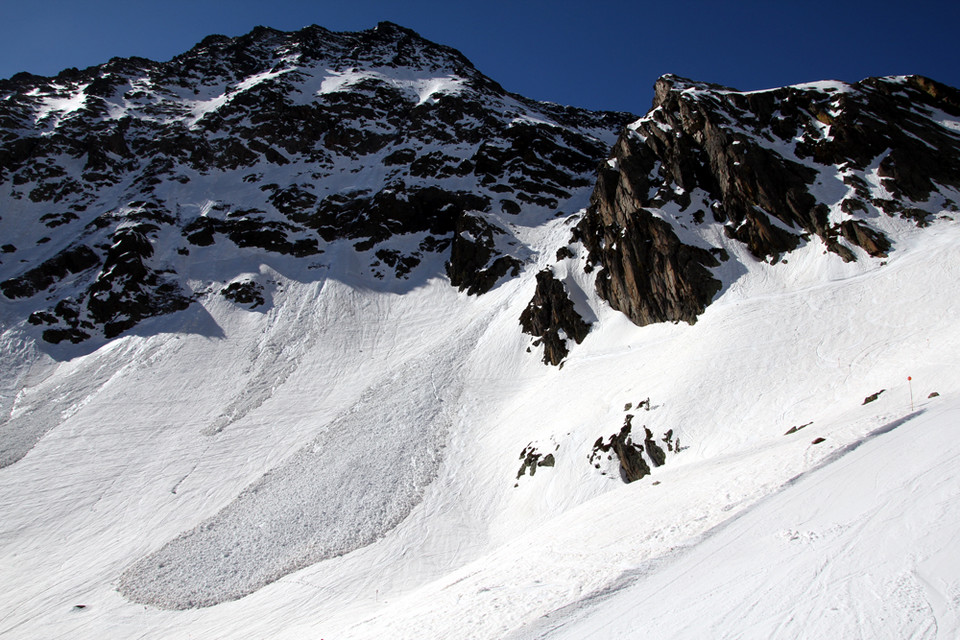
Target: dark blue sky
x,y
600,54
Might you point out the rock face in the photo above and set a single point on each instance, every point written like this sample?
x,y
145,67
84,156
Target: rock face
x,y
551,316
648,273
532,459
117,179
245,293
633,465
771,170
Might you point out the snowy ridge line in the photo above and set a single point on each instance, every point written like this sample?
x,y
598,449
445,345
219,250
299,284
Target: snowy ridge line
x,y
378,143
848,448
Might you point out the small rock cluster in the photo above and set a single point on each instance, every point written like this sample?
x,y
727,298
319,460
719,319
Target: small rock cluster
x,y
633,465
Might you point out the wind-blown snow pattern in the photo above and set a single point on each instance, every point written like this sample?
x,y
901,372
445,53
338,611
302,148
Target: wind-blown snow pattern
x,y
319,452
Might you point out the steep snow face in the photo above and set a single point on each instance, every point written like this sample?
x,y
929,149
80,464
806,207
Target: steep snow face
x,y
348,487
374,157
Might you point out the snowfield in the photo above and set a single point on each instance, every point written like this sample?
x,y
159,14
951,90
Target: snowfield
x,y
342,462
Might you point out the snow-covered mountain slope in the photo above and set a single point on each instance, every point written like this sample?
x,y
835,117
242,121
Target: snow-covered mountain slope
x,y
136,189
305,450
116,179
864,546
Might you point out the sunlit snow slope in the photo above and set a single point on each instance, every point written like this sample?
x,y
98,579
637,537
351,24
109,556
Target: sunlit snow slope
x,y
389,426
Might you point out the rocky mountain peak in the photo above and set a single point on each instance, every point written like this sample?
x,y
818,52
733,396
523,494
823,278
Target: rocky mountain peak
x,y
710,169
669,84
279,143
305,145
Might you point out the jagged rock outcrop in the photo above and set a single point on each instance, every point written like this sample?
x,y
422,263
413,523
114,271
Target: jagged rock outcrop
x,y
245,292
124,292
284,143
772,170
73,260
476,259
532,459
657,457
552,317
633,466
647,272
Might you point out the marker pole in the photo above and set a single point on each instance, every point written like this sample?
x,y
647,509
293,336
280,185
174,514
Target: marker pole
x,y
910,384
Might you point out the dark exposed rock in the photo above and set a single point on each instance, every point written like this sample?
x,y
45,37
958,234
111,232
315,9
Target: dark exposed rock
x,y
794,429
647,272
252,231
401,264
872,397
127,290
532,459
632,465
509,206
668,439
871,240
654,452
392,211
53,220
244,293
70,334
757,162
551,316
42,317
292,200
475,264
70,261
400,157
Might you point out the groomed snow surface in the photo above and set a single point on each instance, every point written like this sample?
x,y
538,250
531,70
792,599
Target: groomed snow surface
x,y
344,464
